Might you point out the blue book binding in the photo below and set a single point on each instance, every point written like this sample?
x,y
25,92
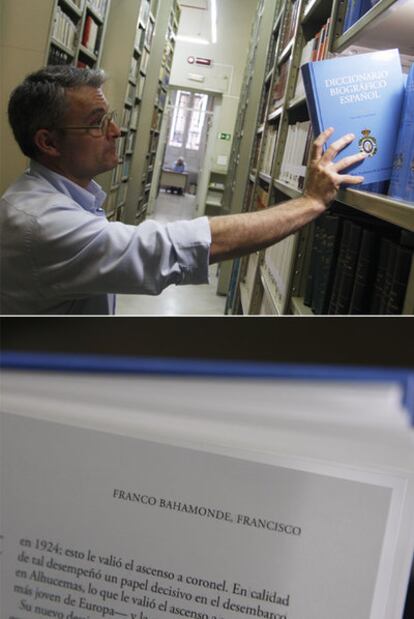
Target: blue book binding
x,y
363,95
352,14
94,364
402,179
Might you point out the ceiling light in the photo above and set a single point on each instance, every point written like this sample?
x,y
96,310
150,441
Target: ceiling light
x,y
186,39
214,21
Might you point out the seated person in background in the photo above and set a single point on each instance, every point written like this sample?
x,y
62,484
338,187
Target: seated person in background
x,y
179,166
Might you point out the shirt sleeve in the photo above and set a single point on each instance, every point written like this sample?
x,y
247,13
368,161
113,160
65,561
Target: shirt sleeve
x,y
78,253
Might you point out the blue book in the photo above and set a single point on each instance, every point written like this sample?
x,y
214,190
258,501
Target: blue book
x,y
353,11
402,179
146,488
363,95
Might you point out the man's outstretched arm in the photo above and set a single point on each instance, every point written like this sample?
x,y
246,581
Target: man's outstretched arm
x,y
237,235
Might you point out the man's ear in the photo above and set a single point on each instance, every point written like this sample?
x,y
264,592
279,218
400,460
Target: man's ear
x,y
47,142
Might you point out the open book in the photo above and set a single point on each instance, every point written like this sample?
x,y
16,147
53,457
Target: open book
x,y
149,489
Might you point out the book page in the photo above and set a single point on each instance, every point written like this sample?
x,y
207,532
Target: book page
x,y
99,525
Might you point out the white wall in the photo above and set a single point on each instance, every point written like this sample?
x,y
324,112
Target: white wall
x,y
24,31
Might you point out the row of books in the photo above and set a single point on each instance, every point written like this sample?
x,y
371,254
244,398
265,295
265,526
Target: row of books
x,y
160,98
116,175
130,93
260,198
268,149
149,33
64,29
315,49
289,26
120,146
144,12
78,3
357,268
277,264
130,141
164,76
133,69
58,56
140,86
355,10
122,193
295,155
167,56
144,61
99,6
130,117
156,120
90,33
278,89
140,39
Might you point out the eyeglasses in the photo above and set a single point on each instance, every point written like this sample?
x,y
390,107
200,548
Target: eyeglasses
x,y
97,131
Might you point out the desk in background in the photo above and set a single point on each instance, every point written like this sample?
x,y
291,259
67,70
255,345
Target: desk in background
x,y
175,180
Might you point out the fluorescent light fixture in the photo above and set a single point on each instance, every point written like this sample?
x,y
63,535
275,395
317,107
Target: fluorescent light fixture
x,y
213,21
186,39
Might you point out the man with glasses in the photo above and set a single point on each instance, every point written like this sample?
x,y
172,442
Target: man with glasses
x,y
59,254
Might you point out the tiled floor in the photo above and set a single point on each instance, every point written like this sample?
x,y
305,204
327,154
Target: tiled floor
x,y
175,300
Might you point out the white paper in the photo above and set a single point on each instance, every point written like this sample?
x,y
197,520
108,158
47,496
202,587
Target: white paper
x,y
176,531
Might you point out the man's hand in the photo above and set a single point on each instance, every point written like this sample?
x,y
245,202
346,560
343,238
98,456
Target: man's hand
x,y
324,179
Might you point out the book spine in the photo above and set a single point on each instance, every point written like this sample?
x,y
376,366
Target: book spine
x,y
402,267
364,273
343,248
327,261
402,179
311,97
307,298
87,31
348,269
388,277
352,13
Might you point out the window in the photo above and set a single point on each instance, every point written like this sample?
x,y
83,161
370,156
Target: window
x,y
179,118
187,130
198,115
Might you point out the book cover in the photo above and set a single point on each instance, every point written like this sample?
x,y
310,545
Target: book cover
x,y
360,94
402,179
150,488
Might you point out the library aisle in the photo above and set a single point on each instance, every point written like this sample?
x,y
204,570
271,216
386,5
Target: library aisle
x,y
175,300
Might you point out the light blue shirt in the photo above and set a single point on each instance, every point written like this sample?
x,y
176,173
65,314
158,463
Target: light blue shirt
x,y
60,255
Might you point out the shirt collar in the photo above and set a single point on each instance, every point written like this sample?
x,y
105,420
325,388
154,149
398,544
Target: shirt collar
x,y
91,198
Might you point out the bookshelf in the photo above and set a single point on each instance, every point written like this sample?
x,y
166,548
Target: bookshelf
x,y
34,34
130,32
161,29
77,32
238,186
130,40
215,192
278,280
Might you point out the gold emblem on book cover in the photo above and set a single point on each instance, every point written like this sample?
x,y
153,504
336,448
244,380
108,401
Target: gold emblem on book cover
x,y
368,143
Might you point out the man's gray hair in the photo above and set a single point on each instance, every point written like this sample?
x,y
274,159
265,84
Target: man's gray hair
x,y
39,102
